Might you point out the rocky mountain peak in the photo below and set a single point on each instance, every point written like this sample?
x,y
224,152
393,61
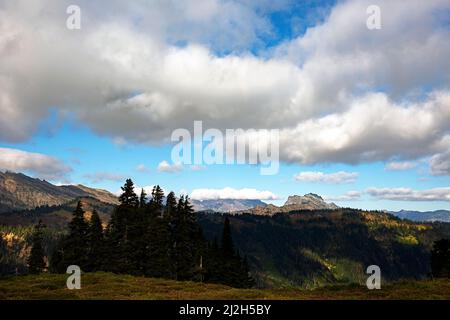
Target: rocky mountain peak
x,y
309,201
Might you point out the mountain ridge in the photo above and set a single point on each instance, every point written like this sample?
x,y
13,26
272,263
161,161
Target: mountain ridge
x,y
309,201
225,205
425,216
21,192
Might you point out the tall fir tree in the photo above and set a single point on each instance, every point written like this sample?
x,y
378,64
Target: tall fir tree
x,y
440,259
227,241
142,199
151,239
157,200
36,260
171,205
187,241
123,231
96,243
225,265
76,244
128,198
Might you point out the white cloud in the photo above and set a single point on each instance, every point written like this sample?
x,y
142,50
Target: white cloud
x,y
230,193
400,166
104,176
373,128
41,165
142,168
348,196
322,90
440,164
408,194
337,177
164,166
137,190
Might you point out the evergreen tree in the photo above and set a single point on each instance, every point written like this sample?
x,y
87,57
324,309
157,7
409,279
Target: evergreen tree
x,y
128,198
157,200
187,241
96,243
227,241
440,259
158,248
171,205
123,232
142,199
213,263
36,262
57,257
247,280
150,239
225,265
76,244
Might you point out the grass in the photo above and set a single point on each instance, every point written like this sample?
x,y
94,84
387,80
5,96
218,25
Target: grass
x,y
110,286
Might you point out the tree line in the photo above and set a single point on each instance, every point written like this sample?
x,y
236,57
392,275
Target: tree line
x,y
156,237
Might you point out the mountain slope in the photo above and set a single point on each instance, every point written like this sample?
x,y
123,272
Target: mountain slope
x,y
438,215
19,192
57,216
309,201
226,205
314,248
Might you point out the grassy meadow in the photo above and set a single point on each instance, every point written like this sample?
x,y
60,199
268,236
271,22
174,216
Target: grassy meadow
x,y
110,286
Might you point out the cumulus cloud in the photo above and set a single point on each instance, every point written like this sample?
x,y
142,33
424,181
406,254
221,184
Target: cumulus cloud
x,y
230,193
348,196
136,72
104,176
142,168
408,194
400,166
337,177
373,128
440,164
40,165
164,166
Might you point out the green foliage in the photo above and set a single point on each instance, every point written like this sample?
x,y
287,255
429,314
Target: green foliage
x,y
148,238
157,197
76,243
36,260
224,265
142,199
96,243
15,246
440,259
128,198
315,248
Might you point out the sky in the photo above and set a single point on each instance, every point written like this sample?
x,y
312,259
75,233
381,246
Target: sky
x,y
363,114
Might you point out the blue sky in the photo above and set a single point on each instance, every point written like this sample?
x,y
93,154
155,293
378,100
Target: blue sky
x,y
98,105
88,153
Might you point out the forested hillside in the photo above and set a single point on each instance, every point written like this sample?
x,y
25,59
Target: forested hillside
x,y
312,248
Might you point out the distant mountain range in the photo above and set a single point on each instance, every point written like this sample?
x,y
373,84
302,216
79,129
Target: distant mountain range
x,y
226,205
310,201
20,192
427,216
